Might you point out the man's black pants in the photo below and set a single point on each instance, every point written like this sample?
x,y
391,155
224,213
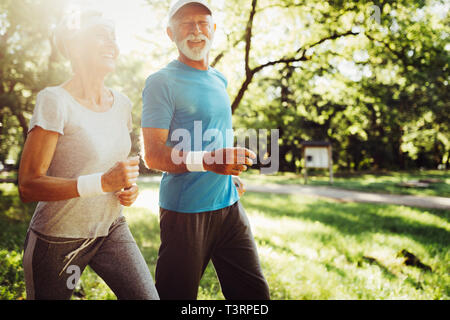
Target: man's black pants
x,y
190,240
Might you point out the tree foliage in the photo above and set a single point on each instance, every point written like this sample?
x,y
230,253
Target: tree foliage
x,y
27,65
375,86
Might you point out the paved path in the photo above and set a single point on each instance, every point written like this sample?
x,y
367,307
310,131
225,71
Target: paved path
x,y
343,195
355,196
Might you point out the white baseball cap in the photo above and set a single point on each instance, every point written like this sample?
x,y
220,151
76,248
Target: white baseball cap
x,y
181,3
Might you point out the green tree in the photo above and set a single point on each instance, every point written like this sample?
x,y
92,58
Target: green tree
x,y
27,65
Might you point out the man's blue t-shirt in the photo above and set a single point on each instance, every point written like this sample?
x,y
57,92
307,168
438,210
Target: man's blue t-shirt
x,y
191,103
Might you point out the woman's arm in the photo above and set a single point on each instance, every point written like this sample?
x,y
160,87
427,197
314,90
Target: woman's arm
x,y
35,185
37,155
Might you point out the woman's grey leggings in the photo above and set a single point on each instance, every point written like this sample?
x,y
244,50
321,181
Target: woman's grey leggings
x,y
53,265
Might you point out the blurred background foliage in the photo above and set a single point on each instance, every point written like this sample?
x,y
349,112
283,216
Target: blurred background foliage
x,y
374,86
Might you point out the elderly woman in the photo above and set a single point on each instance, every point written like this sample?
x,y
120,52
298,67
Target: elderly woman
x,y
75,164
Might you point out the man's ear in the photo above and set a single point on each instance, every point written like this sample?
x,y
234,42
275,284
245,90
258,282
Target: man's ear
x,y
215,27
170,33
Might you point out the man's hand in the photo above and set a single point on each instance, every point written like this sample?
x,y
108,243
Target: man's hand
x,y
128,196
228,161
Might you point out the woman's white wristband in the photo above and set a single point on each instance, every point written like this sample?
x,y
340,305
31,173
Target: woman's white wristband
x,y
90,185
194,161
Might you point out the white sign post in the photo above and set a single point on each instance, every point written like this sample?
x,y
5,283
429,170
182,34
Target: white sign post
x,y
317,154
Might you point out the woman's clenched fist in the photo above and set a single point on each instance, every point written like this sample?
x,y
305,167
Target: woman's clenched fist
x,y
121,176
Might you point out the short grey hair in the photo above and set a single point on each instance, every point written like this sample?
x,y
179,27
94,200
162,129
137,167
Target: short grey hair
x,y
172,21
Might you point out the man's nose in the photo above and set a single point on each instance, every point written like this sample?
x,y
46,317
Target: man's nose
x,y
196,29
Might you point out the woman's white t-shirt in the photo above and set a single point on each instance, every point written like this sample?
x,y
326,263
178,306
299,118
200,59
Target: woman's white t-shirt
x,y
89,142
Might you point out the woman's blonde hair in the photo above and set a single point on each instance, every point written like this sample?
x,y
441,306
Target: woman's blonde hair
x,y
71,25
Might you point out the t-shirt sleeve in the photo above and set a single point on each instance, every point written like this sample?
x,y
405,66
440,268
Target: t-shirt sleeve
x,y
222,78
158,107
49,113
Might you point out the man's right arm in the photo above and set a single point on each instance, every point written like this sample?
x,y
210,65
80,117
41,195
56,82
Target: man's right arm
x,y
158,156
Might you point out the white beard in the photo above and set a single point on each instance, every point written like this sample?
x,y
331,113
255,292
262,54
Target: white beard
x,y
195,54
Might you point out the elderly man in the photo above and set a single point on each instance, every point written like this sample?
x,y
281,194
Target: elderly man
x,y
201,217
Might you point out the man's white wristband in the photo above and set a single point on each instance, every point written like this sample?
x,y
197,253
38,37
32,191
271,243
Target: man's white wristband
x,y
194,161
90,185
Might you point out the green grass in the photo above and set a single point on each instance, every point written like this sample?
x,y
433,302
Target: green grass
x,y
383,182
315,249
310,248
14,219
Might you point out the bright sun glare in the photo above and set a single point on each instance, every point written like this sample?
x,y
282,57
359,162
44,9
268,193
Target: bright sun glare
x,y
134,21
131,18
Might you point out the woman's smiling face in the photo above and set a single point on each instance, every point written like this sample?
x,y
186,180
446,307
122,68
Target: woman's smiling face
x,y
96,48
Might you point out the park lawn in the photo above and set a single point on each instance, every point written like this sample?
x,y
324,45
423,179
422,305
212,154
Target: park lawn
x,y
310,248
383,182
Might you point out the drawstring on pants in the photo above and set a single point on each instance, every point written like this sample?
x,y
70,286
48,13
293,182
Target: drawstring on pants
x,y
72,255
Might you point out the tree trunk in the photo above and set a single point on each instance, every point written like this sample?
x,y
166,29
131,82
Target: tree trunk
x,y
237,100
